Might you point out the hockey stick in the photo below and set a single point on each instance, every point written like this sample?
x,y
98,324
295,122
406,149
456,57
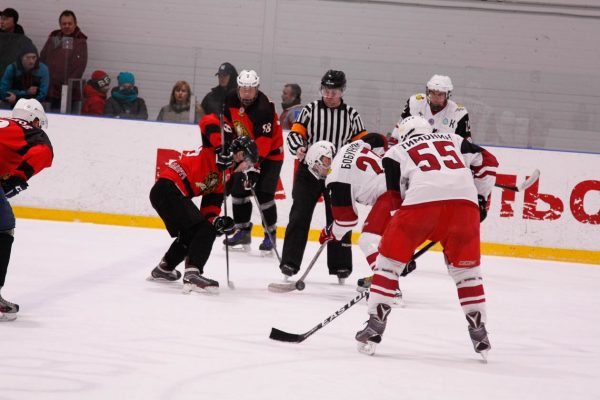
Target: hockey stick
x,y
262,217
229,282
282,336
525,185
299,284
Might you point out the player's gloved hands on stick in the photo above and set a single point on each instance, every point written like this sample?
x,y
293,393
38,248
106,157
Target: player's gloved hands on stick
x,y
224,225
482,207
326,234
251,176
409,267
13,186
224,158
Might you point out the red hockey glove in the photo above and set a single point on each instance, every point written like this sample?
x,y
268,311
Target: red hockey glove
x,y
326,234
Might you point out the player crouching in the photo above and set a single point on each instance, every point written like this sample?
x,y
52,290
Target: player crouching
x,y
195,230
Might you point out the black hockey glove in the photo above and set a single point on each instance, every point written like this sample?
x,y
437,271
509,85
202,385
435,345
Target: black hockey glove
x,y
482,207
13,186
224,225
251,176
409,267
224,158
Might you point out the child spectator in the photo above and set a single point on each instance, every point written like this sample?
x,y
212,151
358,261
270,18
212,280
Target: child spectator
x,y
178,109
25,78
124,101
95,93
65,53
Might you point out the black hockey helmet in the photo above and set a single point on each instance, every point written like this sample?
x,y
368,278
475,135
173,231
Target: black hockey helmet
x,y
334,80
247,145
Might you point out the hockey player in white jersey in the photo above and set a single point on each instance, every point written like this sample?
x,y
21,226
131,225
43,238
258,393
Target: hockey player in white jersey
x,y
446,182
443,114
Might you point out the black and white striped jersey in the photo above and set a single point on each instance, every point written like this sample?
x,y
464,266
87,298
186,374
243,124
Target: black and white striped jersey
x,y
316,122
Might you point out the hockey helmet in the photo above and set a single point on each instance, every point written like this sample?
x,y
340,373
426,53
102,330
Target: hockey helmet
x,y
29,110
248,146
334,80
314,158
248,78
413,126
440,83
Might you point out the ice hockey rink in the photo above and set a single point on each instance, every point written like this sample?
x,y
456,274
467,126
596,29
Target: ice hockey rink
x,y
92,327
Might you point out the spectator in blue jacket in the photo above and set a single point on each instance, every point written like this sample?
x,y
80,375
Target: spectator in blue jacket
x,y
25,78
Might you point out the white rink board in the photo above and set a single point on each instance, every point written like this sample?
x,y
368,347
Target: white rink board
x,y
108,165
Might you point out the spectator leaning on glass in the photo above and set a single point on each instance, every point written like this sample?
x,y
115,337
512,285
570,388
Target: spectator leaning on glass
x,y
212,103
65,53
8,22
26,78
95,93
124,101
179,108
291,104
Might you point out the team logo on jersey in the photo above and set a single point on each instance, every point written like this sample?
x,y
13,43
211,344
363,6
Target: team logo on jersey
x,y
210,183
240,129
445,121
419,97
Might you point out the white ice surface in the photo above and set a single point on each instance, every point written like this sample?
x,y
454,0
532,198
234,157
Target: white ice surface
x,y
92,327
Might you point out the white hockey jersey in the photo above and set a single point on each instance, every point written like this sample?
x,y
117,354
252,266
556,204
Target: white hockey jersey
x,y
453,118
356,177
440,166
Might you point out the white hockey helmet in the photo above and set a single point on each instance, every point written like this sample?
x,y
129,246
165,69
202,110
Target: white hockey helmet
x,y
440,83
314,158
248,78
413,126
29,110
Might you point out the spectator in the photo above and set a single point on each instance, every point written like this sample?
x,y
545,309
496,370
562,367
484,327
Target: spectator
x,y
8,22
95,94
26,78
178,109
212,103
290,102
124,101
65,53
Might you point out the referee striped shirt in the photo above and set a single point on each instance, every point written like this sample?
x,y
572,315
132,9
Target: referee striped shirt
x,y
316,122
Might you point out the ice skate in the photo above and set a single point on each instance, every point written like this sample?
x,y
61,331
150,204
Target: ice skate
x,y
8,310
288,271
478,334
240,241
193,281
342,274
267,246
370,336
161,274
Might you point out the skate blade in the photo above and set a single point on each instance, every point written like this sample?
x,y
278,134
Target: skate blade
x,y
8,316
342,281
484,356
190,287
266,253
160,280
241,248
366,348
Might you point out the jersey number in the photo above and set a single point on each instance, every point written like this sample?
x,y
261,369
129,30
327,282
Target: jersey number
x,y
362,161
429,160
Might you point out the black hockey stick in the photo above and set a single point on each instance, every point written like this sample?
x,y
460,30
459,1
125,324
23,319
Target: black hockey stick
x,y
525,185
221,124
282,336
299,284
264,222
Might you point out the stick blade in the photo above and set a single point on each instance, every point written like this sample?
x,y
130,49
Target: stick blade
x,y
282,287
282,336
535,175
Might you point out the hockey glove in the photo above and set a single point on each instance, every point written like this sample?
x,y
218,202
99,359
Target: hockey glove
x,y
251,176
13,186
326,234
409,267
224,225
482,207
224,158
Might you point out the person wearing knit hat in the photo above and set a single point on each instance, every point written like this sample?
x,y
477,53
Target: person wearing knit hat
x,y
25,78
95,93
124,101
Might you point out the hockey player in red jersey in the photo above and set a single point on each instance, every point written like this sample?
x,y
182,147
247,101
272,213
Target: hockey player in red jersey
x,y
195,230
25,150
253,115
444,181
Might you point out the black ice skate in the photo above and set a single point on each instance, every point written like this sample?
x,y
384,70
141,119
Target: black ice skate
x,y
288,271
8,310
161,274
240,241
370,336
193,281
342,274
266,247
479,335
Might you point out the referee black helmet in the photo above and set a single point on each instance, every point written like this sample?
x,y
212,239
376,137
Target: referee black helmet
x,y
334,80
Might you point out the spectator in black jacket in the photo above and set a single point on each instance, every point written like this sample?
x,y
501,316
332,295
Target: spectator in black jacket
x,y
8,22
213,101
124,101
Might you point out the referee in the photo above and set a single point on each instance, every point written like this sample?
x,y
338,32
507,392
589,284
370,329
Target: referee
x,y
326,119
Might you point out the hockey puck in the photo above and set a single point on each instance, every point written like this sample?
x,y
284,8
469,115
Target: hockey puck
x,y
300,285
